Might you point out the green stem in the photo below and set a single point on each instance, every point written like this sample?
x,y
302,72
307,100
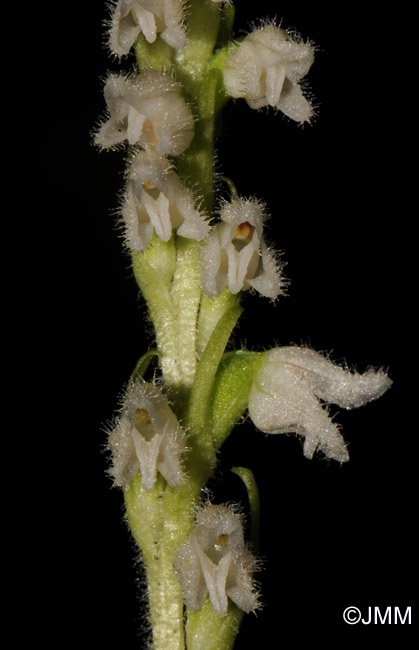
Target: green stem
x,y
151,528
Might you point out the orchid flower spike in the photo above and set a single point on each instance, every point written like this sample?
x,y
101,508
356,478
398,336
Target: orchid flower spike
x,y
236,255
157,201
147,439
215,562
131,18
266,69
149,110
285,397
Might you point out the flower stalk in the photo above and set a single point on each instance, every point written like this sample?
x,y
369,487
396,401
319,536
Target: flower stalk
x,y
193,258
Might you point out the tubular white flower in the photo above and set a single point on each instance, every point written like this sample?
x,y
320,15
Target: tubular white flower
x,y
215,562
149,17
236,254
148,110
266,69
157,201
285,397
147,439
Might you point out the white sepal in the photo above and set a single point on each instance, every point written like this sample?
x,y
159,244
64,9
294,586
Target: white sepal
x,y
236,255
147,438
131,18
157,201
266,69
149,110
215,562
285,397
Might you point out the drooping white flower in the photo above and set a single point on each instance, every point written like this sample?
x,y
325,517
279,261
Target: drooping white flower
x,y
147,439
266,69
149,17
215,562
285,397
149,110
157,201
236,255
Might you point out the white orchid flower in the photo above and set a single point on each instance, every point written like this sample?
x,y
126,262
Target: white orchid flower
x,y
147,439
285,397
157,201
215,562
236,255
266,69
149,110
131,18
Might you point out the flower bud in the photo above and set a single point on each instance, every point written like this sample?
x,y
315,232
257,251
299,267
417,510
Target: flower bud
x,y
131,18
285,397
266,69
149,110
236,255
157,201
215,562
147,439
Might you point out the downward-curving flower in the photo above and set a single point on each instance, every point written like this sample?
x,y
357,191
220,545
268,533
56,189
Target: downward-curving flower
x,y
215,562
266,69
236,255
157,201
147,439
285,397
149,110
131,18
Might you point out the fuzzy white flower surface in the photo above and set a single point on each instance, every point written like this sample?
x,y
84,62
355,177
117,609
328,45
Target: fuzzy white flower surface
x,y
149,110
147,439
215,562
157,201
285,397
236,255
266,69
131,18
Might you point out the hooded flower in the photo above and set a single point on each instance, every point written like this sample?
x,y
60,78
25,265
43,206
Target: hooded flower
x,y
149,110
266,69
149,17
157,201
236,255
147,439
215,562
285,397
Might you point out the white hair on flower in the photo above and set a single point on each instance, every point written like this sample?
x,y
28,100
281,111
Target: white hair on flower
x,y
266,69
147,439
215,562
157,201
149,110
285,395
130,18
236,255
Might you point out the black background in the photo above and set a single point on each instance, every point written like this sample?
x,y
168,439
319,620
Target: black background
x,y
342,198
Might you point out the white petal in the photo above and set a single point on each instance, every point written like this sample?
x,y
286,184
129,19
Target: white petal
x,y
275,77
135,125
269,281
147,452
138,227
147,23
293,103
124,460
158,211
329,381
